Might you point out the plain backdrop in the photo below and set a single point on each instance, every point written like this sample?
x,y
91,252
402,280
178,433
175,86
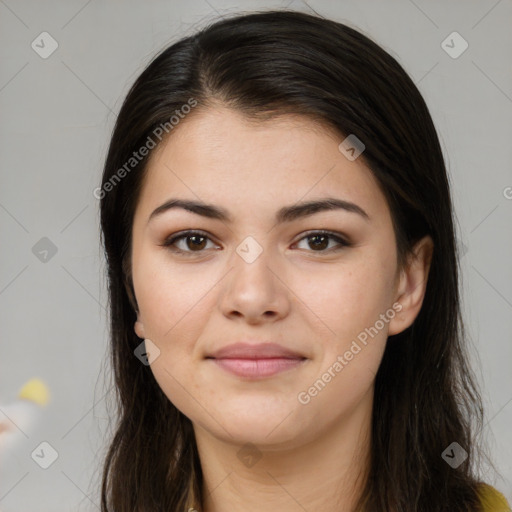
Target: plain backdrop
x,y
57,114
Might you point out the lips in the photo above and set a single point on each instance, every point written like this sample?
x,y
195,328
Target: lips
x,y
256,360
255,351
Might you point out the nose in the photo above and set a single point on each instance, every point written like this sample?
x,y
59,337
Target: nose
x,y
255,290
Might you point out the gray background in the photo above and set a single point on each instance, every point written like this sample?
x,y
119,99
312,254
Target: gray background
x,y
56,117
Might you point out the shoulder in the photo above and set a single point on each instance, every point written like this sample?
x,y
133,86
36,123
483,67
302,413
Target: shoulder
x,y
492,500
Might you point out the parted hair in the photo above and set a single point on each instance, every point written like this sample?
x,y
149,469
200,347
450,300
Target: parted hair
x,y
267,64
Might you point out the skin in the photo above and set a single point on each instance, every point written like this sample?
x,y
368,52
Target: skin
x,y
315,301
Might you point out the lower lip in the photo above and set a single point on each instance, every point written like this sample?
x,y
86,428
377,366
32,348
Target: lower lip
x,y
254,368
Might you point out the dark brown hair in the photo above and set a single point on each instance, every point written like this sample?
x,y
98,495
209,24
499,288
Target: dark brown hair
x,y
264,65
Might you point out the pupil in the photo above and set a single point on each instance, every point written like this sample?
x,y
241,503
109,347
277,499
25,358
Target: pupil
x,y
195,244
323,245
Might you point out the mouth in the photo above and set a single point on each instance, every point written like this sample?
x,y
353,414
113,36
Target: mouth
x,y
255,361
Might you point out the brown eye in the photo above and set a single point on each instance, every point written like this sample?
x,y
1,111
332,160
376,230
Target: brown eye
x,y
318,241
189,242
197,241
193,241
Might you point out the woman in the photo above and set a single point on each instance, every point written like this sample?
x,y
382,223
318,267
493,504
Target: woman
x,y
283,282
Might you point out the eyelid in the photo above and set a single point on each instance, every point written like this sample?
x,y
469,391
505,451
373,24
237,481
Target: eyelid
x,y
341,239
184,234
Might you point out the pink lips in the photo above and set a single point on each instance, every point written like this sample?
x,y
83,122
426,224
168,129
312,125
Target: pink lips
x,y
256,360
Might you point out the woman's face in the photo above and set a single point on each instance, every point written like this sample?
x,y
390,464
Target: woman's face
x,y
214,301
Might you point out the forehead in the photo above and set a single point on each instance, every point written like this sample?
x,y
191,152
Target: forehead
x,y
220,156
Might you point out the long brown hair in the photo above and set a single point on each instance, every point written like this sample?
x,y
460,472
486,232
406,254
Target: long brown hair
x,y
267,64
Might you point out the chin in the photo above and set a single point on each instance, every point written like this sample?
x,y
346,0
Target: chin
x,y
263,424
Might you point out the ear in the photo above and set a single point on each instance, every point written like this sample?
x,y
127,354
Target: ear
x,y
139,328
412,284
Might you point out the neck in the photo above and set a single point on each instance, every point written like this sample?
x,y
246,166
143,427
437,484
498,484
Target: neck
x,y
326,473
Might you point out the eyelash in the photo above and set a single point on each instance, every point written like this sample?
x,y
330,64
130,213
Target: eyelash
x,y
169,242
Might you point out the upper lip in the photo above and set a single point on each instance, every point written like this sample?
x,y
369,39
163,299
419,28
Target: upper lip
x,y
243,350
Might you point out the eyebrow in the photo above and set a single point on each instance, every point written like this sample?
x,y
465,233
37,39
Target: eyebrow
x,y
285,214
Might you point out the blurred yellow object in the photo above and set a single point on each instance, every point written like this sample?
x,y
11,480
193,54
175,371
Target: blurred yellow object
x,y
492,500
36,391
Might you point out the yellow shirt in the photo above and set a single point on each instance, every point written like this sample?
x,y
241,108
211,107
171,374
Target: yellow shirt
x,y
493,500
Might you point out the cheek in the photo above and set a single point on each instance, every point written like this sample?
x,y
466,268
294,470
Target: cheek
x,y
171,300
347,299
350,303
175,306
179,385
